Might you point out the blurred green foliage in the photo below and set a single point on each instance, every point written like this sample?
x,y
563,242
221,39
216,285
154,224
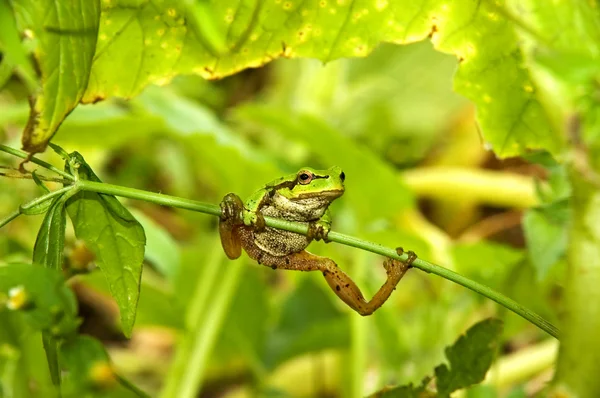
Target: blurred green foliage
x,y
239,329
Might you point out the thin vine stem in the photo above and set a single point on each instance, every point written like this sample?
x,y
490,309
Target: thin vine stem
x,y
333,236
24,155
10,217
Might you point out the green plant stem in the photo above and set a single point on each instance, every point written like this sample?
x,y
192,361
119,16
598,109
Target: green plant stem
x,y
333,237
25,155
157,198
10,217
205,315
578,361
48,196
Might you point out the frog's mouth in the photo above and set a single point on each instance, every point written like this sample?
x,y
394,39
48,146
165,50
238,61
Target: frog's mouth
x,y
332,194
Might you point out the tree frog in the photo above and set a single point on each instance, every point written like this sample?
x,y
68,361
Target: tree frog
x,y
304,197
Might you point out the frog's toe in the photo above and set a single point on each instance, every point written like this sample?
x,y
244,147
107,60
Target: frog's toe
x,y
318,231
411,257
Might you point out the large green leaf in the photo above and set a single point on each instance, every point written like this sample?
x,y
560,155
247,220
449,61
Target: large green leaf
x,y
65,34
247,33
116,239
158,41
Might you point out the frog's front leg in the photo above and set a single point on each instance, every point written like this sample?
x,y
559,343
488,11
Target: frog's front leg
x,y
234,215
319,229
229,223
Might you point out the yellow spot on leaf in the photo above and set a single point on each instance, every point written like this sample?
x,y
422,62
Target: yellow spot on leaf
x,y
528,88
360,50
380,5
29,33
147,42
487,99
171,12
160,32
254,37
287,5
323,3
108,21
102,36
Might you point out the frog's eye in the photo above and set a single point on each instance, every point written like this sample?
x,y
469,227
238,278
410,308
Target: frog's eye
x,y
305,177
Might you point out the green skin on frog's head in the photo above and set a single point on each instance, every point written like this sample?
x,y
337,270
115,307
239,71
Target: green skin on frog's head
x,y
302,196
311,183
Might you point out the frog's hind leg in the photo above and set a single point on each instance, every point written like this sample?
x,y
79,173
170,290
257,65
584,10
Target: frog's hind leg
x,y
340,283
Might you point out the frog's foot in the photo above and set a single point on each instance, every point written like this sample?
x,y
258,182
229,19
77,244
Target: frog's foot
x,y
229,223
392,265
318,231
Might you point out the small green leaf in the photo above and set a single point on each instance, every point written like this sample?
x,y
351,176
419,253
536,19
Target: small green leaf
x,y
65,35
470,357
39,183
50,242
115,237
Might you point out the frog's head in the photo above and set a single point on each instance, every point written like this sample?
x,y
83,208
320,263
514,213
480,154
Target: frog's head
x,y
310,183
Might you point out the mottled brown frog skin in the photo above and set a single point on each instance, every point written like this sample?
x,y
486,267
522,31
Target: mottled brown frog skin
x,y
303,197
